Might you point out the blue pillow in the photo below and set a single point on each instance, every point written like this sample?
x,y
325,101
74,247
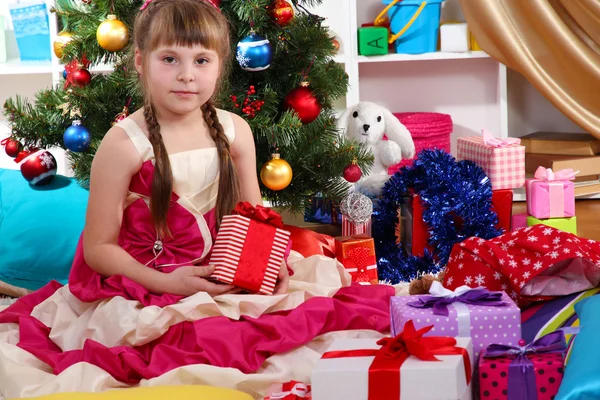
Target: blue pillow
x,y
39,229
581,380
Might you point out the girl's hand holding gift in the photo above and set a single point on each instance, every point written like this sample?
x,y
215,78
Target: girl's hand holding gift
x,y
189,280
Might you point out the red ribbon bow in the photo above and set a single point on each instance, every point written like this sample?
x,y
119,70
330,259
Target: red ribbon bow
x,y
384,372
259,213
23,154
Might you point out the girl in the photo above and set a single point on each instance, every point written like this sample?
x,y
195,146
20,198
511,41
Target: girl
x,y
178,145
138,304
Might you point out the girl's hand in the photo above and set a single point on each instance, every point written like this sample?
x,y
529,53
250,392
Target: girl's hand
x,y
189,280
283,280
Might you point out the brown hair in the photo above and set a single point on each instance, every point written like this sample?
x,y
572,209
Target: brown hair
x,y
185,23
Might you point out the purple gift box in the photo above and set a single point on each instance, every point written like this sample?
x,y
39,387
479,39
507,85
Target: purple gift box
x,y
485,324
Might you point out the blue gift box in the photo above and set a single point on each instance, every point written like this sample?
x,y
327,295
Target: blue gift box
x,y
32,30
323,211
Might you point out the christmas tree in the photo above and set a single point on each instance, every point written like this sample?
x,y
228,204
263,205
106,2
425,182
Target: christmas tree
x,y
285,89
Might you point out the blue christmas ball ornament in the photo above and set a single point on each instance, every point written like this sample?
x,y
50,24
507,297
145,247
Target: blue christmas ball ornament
x,y
77,137
254,53
65,73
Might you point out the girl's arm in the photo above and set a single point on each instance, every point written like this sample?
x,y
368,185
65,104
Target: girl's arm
x,y
243,153
115,162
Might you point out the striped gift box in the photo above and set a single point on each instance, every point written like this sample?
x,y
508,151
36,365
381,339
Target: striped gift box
x,y
249,253
350,228
505,166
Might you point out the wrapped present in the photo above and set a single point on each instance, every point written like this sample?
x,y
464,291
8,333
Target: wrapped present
x,y
402,367
291,390
350,228
551,194
250,248
357,254
503,160
487,317
415,234
564,224
531,372
322,210
357,210
518,221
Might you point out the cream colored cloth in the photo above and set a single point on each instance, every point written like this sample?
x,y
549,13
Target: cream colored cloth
x,y
72,322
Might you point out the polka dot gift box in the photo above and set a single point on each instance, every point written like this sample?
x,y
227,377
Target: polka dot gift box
x,y
487,317
524,372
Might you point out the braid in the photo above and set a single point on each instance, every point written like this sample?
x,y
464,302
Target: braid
x,y
229,185
162,181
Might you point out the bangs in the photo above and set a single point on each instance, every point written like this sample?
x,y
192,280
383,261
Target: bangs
x,y
187,25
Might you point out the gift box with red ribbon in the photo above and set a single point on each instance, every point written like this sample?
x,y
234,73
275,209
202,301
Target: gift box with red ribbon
x,y
503,160
357,254
250,248
403,367
523,372
291,390
551,194
415,233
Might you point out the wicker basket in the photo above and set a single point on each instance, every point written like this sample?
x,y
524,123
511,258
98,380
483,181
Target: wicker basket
x,y
429,130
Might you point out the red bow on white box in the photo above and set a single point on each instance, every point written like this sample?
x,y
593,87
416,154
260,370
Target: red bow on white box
x,y
291,390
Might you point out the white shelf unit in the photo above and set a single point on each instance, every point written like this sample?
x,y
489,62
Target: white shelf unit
x,y
477,91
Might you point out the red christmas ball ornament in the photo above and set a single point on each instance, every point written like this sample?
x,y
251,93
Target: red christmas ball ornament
x,y
82,77
39,167
121,116
352,172
12,147
304,103
282,12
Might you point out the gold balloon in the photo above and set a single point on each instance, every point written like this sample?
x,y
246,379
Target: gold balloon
x,y
276,174
61,41
112,34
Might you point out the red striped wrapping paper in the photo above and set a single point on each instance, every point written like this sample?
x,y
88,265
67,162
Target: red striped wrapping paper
x,y
350,228
249,253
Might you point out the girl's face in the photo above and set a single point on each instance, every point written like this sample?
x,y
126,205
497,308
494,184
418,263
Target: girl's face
x,y
179,79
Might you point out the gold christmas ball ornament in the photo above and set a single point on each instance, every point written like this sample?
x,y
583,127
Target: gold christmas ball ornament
x,y
276,174
112,34
61,41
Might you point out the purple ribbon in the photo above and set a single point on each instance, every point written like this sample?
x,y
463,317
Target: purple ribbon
x,y
521,373
478,297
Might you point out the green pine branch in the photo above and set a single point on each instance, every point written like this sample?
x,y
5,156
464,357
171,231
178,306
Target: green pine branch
x,y
302,51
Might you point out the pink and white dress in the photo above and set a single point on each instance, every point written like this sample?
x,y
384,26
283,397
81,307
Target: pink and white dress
x,y
100,332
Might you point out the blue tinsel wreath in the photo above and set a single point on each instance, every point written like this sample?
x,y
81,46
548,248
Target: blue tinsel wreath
x,y
449,190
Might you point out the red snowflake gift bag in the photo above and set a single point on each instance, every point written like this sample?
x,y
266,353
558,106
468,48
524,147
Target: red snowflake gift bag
x,y
530,264
250,248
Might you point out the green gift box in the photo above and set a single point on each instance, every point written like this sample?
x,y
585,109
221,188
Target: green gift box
x,y
564,224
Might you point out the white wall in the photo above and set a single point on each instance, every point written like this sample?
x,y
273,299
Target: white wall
x,y
529,111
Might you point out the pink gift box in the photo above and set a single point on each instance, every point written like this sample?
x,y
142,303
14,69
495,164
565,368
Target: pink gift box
x,y
551,194
502,160
518,221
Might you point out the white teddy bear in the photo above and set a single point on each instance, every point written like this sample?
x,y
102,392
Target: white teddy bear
x,y
367,123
